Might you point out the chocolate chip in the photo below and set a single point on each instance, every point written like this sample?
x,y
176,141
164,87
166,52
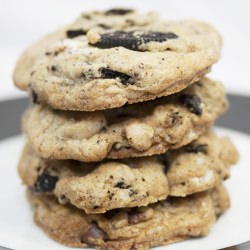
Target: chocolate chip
x,y
111,74
202,148
131,39
45,183
93,233
122,185
192,102
35,98
75,33
53,68
118,11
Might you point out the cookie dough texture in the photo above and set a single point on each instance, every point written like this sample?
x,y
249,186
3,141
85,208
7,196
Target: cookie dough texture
x,y
133,130
97,188
136,228
75,73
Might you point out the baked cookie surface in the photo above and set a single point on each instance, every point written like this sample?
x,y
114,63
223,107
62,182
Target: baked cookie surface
x,y
131,131
108,60
99,187
136,228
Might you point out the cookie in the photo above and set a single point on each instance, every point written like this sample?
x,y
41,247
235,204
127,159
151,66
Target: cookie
x,y
133,130
103,20
97,188
108,61
161,223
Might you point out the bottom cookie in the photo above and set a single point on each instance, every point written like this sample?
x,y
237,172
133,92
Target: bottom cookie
x,y
162,223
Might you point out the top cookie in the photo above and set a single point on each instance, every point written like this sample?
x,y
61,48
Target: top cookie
x,y
111,58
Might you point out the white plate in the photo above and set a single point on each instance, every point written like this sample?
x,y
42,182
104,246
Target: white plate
x,y
17,230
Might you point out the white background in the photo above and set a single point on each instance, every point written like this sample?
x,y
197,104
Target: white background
x,y
24,21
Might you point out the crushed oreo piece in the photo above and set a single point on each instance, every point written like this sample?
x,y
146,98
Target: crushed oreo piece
x,y
111,74
93,233
132,39
75,33
122,185
118,11
192,102
45,183
35,98
202,148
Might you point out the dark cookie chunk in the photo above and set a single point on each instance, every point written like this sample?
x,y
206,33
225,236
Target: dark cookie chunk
x,y
132,39
35,98
111,74
53,68
45,183
93,233
118,11
202,148
75,33
122,185
192,102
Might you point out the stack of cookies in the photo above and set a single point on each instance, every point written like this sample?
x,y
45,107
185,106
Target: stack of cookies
x,y
120,153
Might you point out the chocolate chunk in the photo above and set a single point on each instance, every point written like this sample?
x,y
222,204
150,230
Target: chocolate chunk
x,y
202,148
45,183
75,33
122,185
192,102
132,39
111,74
35,98
118,11
53,68
93,233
